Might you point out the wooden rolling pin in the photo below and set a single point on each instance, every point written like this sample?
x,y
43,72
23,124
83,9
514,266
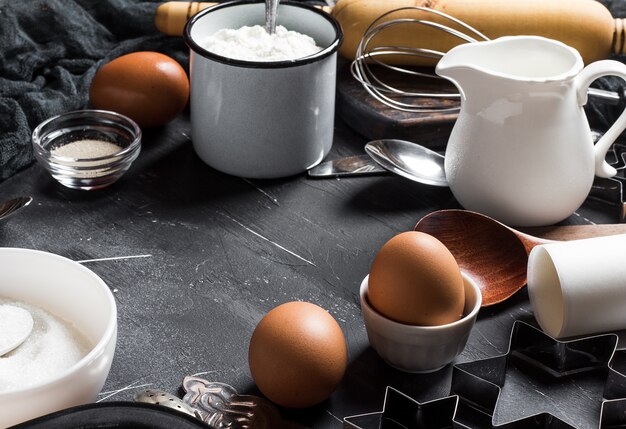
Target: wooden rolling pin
x,y
583,24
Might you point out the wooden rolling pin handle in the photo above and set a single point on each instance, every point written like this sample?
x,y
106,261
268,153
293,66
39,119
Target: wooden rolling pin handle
x,y
170,17
619,36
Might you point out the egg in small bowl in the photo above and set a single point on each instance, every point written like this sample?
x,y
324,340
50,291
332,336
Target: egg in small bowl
x,y
418,307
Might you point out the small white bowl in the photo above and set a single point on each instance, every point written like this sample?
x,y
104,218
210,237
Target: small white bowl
x,y
420,349
77,295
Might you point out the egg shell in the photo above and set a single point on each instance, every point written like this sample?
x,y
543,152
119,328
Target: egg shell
x,y
297,355
148,87
415,280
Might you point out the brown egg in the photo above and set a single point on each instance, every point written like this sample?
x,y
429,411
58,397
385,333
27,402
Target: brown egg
x,y
415,280
149,87
297,355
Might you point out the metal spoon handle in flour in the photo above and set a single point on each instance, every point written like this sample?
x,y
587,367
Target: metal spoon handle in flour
x,y
271,10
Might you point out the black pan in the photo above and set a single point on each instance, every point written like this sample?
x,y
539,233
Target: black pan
x,y
114,415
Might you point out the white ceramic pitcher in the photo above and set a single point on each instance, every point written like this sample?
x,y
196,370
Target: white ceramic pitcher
x,y
521,149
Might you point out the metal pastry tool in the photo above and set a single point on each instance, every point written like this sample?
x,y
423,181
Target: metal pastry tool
x,y
545,366
159,397
219,406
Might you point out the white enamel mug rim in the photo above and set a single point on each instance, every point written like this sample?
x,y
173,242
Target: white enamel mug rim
x,y
109,332
325,52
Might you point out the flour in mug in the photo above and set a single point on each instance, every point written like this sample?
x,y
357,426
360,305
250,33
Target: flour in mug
x,y
52,347
255,44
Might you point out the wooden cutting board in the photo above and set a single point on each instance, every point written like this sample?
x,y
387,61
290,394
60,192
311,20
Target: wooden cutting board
x,y
374,120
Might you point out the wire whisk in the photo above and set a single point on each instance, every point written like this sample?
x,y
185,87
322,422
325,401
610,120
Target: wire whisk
x,y
393,96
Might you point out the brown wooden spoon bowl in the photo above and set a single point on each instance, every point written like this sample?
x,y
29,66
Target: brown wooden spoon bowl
x,y
494,255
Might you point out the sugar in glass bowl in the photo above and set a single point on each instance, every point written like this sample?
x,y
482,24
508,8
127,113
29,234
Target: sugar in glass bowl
x,y
87,149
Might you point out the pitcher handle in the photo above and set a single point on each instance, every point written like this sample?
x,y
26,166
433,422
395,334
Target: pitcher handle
x,y
590,73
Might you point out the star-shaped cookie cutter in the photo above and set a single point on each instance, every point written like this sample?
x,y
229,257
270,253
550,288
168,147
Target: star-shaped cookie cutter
x,y
405,412
477,385
612,190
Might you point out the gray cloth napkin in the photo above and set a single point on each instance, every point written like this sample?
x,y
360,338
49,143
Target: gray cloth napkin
x,y
49,52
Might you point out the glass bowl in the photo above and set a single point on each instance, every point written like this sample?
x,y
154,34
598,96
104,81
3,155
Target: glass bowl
x,y
87,169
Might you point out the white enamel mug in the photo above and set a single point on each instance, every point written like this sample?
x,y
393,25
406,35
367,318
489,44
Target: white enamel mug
x,y
262,119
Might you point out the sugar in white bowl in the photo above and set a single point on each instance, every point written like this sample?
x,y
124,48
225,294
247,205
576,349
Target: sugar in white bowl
x,y
255,44
75,294
52,347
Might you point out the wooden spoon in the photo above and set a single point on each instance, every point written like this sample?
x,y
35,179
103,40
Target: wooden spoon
x,y
494,255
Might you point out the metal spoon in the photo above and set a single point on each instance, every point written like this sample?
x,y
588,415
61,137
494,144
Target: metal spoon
x,y
409,160
271,11
9,207
494,255
16,324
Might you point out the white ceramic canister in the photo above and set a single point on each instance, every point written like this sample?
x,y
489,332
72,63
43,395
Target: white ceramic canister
x,y
262,119
579,287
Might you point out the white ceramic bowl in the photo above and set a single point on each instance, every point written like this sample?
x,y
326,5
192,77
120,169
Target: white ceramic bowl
x,y
419,349
74,293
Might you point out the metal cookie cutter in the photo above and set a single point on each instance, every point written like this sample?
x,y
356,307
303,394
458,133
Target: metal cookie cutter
x,y
577,373
219,406
401,411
